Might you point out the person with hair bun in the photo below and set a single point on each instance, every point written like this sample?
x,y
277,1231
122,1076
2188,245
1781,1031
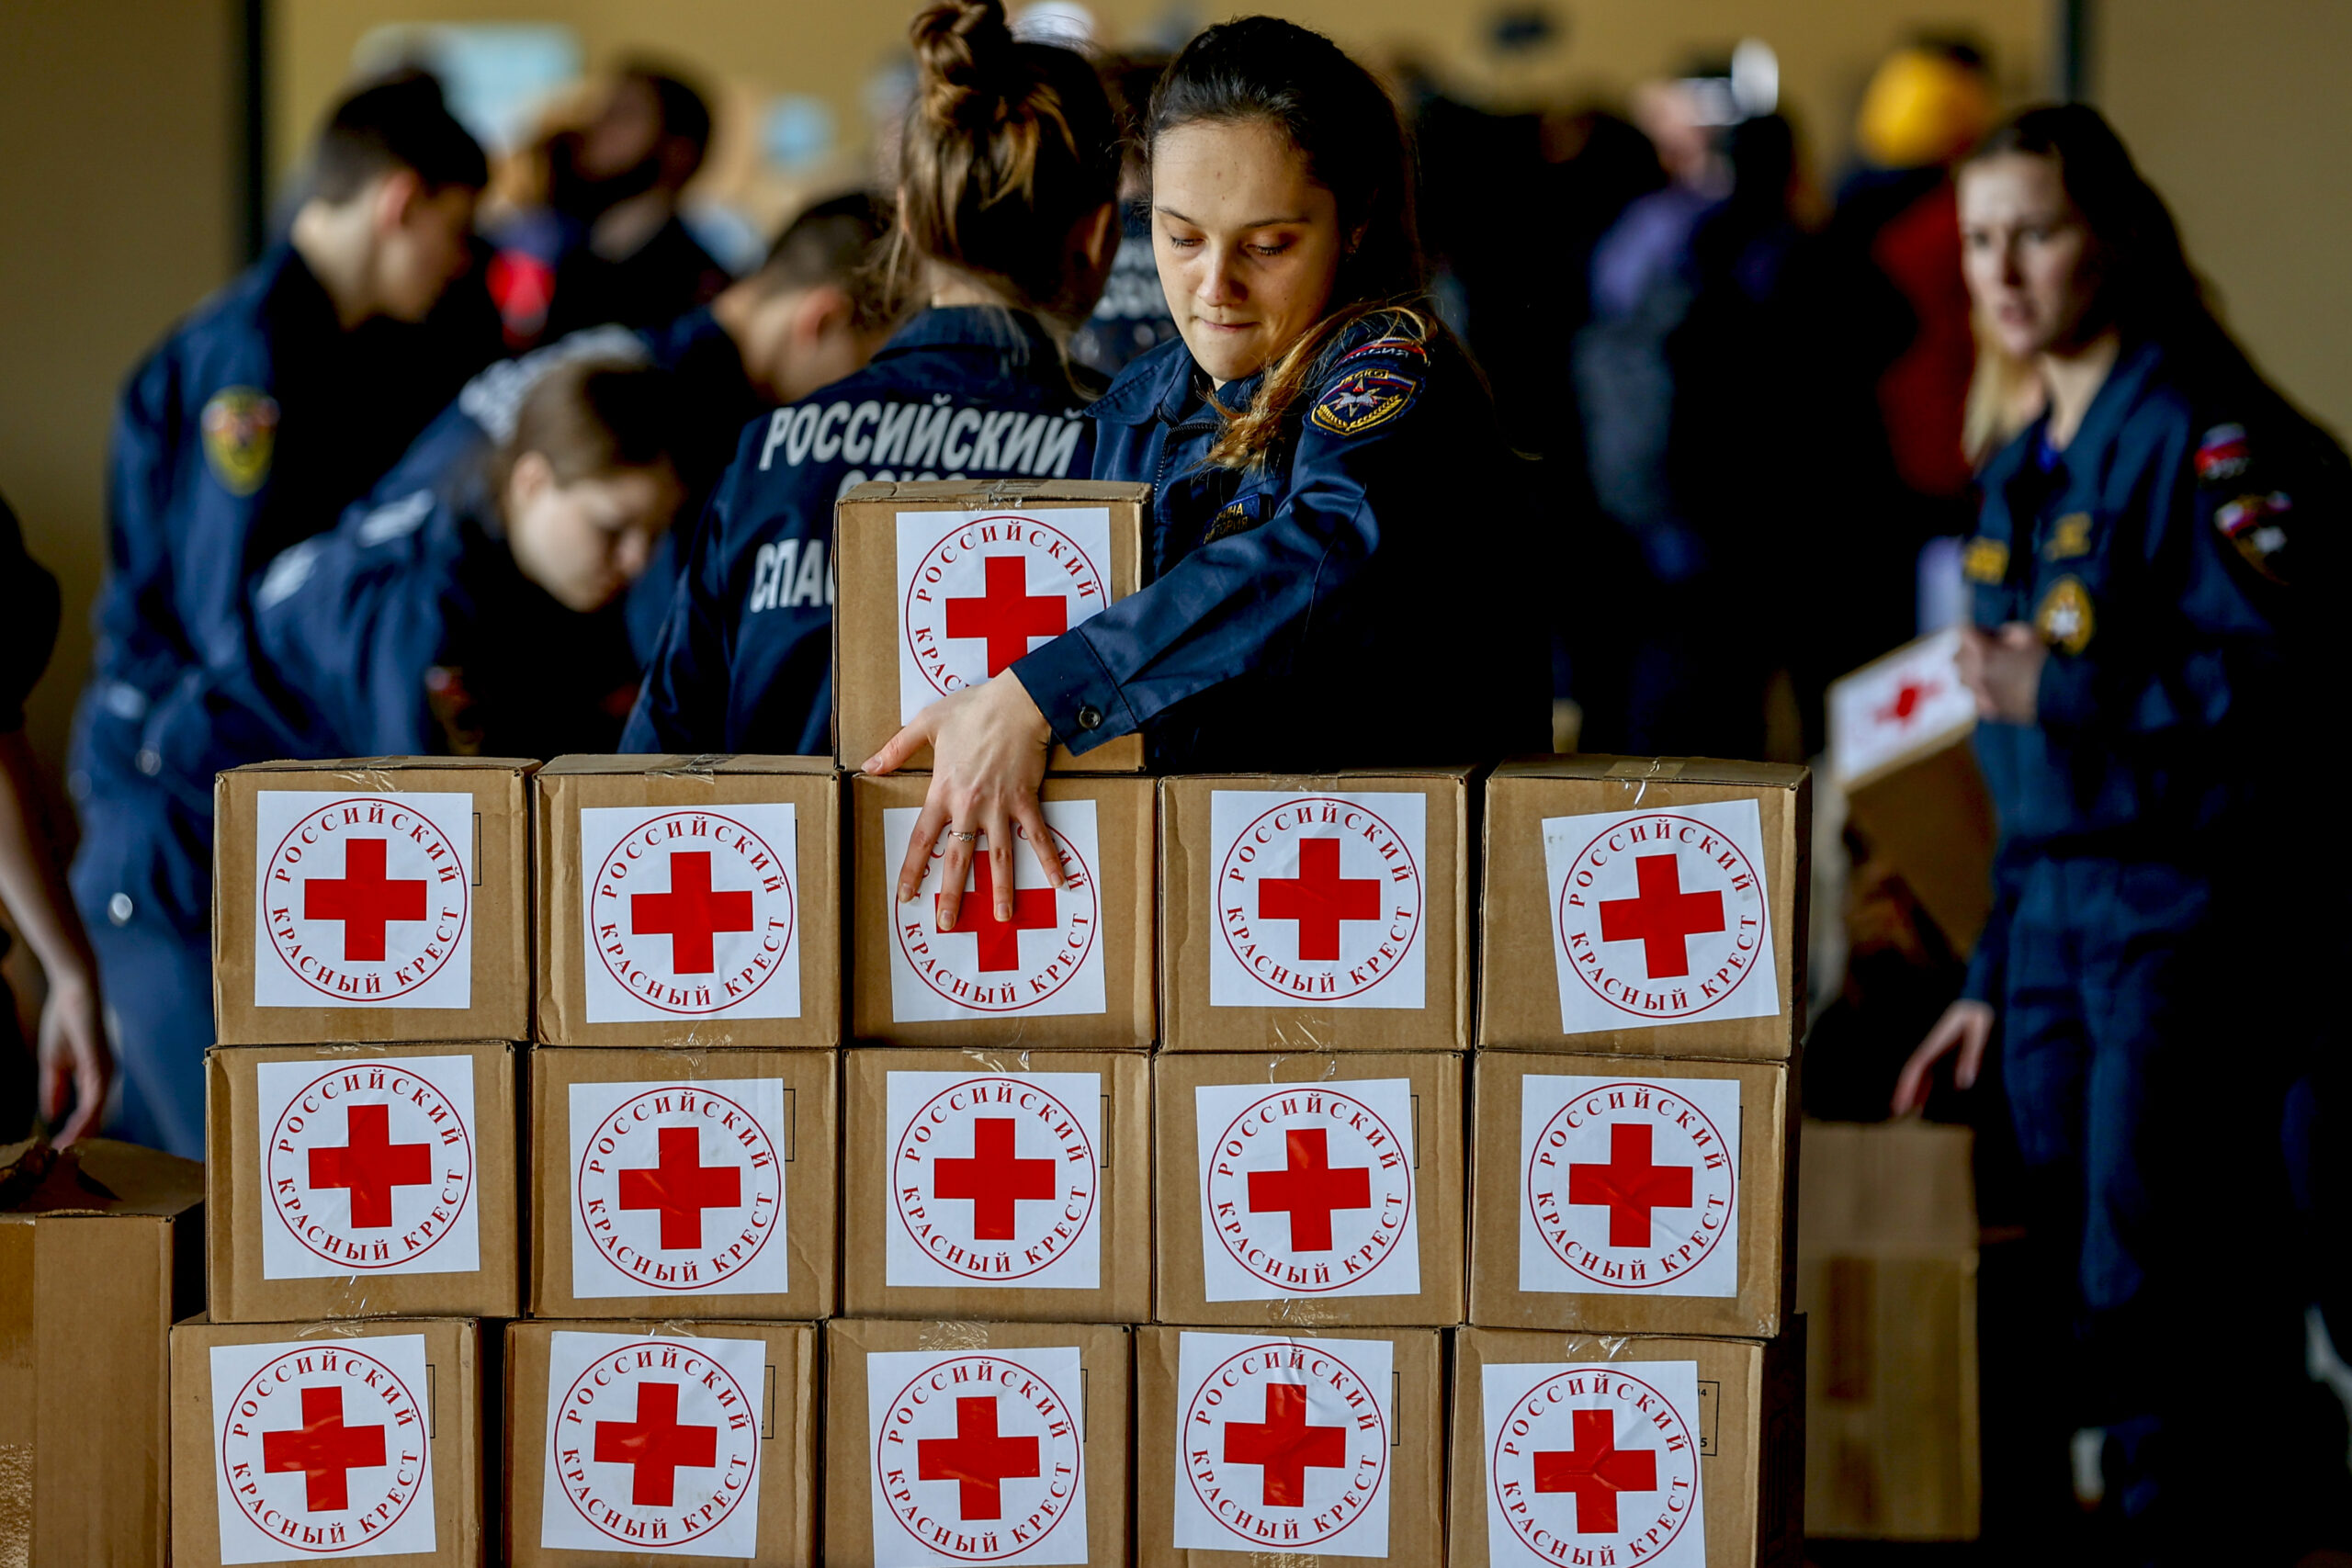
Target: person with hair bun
x,y
1008,171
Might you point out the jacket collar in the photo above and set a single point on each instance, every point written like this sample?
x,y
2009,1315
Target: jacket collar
x,y
1165,385
1016,335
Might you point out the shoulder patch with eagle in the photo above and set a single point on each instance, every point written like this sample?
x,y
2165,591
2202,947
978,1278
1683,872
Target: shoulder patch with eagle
x,y
1376,382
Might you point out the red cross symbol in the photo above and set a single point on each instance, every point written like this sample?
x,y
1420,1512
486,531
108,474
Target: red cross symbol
x,y
1595,1469
323,1449
1309,1189
1318,898
690,913
681,1187
363,900
993,1179
999,941
656,1445
978,1459
1006,616
1906,701
371,1165
1629,1186
1662,917
1285,1444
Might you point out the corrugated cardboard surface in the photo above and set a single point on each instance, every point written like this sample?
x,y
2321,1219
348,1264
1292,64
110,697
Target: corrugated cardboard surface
x,y
1416,1470
1933,818
787,1496
501,914
1125,1296
1188,924
1125,828
453,1354
234,1181
1105,1353
812,1086
1751,1449
1440,1177
1768,1135
1518,1002
866,617
565,785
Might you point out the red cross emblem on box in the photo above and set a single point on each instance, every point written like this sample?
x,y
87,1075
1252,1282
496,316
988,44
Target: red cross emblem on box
x,y
1662,917
1318,898
656,1440
990,588
370,1165
1594,1460
324,1447
993,965
365,899
1309,1189
693,912
1285,1434
679,1187
995,1179
1632,1186
979,1457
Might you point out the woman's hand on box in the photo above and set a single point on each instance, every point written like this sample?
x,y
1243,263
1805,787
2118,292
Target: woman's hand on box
x,y
988,746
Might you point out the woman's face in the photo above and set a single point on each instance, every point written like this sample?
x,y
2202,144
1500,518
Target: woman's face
x,y
1248,245
586,541
2030,261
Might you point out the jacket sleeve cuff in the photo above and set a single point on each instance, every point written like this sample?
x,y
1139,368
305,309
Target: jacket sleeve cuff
x,y
2067,697
1083,704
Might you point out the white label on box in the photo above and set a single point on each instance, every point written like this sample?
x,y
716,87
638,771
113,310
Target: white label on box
x,y
978,1456
1285,1444
1912,699
1319,899
1593,1464
1307,1189
976,589
1047,959
996,1179
690,913
677,1189
1660,917
653,1444
1629,1185
367,1168
363,900
323,1448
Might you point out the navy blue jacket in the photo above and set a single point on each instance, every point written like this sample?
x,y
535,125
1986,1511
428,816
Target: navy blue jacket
x,y
745,660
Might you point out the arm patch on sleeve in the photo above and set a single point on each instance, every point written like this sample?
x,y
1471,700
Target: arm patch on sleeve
x,y
240,427
1368,394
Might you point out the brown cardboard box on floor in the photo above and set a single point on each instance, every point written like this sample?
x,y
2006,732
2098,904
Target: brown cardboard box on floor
x,y
1334,1193
101,1248
690,1184
1595,1444
625,1436
292,1440
942,583
689,901
1012,1186
1651,906
1317,914
1072,968
977,1443
379,898
364,1181
1625,1195
1251,1446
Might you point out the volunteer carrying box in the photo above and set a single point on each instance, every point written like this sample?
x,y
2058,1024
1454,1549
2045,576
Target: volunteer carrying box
x,y
1074,966
974,1442
1324,914
634,1442
381,899
682,1184
689,901
303,1442
1665,897
1588,1448
1627,1195
942,585
998,1188
1299,1191
363,1181
1253,1445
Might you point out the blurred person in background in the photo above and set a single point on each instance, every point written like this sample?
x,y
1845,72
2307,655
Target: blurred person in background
x,y
1132,316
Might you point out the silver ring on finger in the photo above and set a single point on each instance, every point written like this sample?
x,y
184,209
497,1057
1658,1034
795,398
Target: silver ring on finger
x,y
962,836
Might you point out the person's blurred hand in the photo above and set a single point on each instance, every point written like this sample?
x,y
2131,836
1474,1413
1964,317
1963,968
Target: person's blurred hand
x,y
73,1054
2004,670
1966,1027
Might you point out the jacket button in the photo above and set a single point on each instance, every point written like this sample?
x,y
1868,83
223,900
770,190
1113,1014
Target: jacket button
x,y
118,908
1089,717
150,761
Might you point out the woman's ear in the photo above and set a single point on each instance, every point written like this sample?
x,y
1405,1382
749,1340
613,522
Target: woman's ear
x,y
1098,236
824,309
395,200
531,476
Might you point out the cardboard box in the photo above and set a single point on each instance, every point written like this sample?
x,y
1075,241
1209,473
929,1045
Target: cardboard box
x,y
974,1442
292,1442
1887,1276
101,1247
364,1181
682,1184
624,1436
1004,1188
942,583
1253,1446
1296,1191
1073,968
1588,1448
1323,914
689,901
380,898
1664,897
1626,1196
